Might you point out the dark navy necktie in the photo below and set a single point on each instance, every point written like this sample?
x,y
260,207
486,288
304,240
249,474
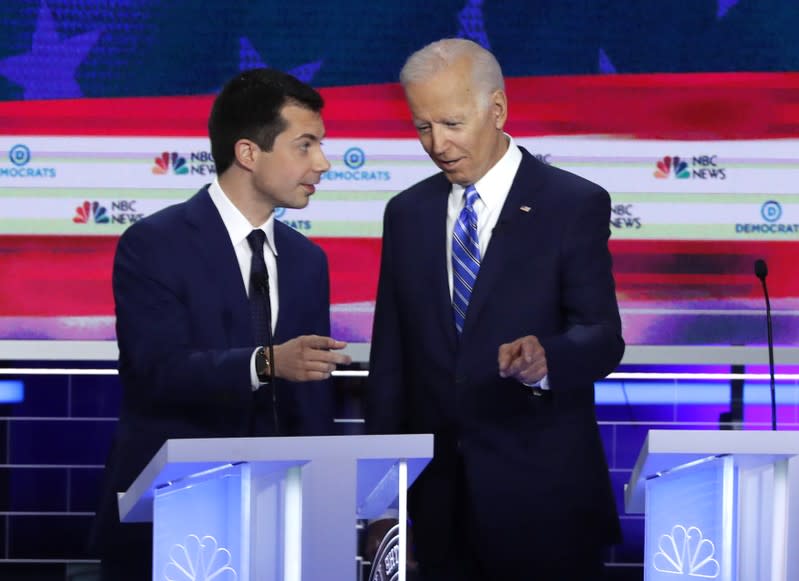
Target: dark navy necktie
x,y
465,257
261,312
260,309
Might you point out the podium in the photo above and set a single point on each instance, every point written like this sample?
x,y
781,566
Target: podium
x,y
237,509
719,505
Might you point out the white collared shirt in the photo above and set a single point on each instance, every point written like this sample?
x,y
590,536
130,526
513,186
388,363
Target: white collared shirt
x,y
238,228
493,188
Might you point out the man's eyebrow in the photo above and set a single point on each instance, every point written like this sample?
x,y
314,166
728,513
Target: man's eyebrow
x,y
310,136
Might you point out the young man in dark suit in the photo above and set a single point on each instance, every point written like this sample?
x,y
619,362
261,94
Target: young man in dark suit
x,y
496,312
204,287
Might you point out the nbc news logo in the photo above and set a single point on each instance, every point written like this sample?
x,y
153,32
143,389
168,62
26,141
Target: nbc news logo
x,y
174,160
121,212
703,167
89,212
672,165
195,163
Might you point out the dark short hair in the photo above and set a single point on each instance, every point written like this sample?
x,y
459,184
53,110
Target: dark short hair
x,y
249,106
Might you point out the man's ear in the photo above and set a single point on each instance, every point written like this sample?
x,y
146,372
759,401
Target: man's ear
x,y
246,152
499,108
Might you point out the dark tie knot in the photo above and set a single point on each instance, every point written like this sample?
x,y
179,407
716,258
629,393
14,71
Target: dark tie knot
x,y
256,240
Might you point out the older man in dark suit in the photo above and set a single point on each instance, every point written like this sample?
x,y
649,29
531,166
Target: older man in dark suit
x,y
204,288
496,312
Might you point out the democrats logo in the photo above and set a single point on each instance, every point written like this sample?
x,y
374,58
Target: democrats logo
x,y
354,158
771,213
355,163
20,157
699,167
685,552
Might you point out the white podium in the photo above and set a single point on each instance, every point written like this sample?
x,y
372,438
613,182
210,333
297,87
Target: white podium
x,y
719,505
238,509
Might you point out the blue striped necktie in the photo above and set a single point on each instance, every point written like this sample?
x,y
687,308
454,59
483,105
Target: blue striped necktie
x,y
465,257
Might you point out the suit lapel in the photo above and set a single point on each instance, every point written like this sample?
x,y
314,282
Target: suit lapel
x,y
211,241
504,239
431,234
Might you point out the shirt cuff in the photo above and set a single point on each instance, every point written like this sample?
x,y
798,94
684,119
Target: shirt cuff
x,y
542,383
254,383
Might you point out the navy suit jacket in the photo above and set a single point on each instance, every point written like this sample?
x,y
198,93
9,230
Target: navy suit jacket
x,y
186,339
523,462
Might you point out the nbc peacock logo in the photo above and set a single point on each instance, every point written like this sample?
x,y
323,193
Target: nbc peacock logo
x,y
89,212
672,165
199,559
685,552
174,160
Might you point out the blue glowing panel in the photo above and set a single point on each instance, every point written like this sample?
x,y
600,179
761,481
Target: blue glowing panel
x,y
690,523
628,393
198,529
12,391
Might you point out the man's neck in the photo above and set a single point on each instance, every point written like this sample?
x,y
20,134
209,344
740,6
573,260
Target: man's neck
x,y
238,190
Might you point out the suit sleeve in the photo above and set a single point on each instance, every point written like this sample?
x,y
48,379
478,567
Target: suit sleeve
x,y
591,345
385,409
160,352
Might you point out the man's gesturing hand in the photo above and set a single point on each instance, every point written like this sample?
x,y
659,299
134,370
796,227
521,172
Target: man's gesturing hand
x,y
523,359
308,358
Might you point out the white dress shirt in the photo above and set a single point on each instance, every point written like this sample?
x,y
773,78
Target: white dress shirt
x,y
238,228
493,188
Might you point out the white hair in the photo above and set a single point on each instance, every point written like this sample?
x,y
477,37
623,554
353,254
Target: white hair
x,y
437,56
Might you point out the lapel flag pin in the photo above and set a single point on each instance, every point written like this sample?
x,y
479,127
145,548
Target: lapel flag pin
x,y
525,208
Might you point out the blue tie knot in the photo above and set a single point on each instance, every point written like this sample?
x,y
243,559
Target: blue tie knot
x,y
471,196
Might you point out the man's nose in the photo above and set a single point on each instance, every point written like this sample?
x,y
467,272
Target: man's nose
x,y
322,164
439,140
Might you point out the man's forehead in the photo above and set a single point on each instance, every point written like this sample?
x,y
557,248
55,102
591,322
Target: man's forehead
x,y
302,120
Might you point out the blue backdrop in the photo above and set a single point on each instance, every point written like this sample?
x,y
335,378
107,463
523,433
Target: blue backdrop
x,y
107,48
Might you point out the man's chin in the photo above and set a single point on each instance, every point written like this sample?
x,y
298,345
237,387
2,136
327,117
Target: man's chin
x,y
455,176
300,204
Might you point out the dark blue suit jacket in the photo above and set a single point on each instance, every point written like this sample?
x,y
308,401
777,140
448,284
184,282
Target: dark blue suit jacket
x,y
186,339
532,468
